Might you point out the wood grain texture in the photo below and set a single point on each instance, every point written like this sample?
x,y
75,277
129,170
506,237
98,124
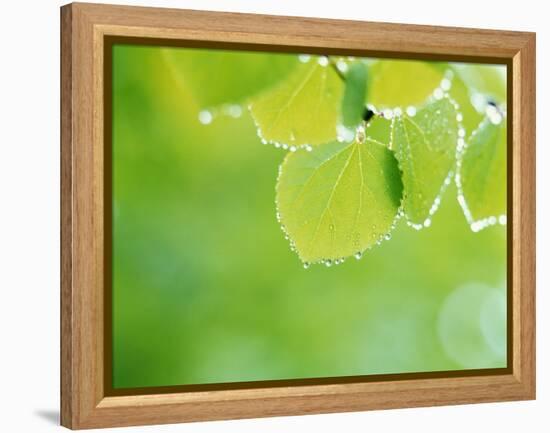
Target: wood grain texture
x,y
67,384
524,215
84,28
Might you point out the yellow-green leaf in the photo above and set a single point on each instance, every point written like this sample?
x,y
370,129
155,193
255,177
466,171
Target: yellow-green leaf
x,y
486,80
378,129
339,199
482,180
425,146
400,83
303,109
461,94
216,77
474,87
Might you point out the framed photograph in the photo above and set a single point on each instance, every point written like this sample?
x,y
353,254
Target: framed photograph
x,y
267,216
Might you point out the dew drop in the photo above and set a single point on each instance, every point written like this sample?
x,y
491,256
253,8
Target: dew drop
x,y
304,58
387,113
205,117
323,61
475,227
292,148
411,111
496,119
479,102
234,110
502,220
427,222
358,255
414,226
387,236
308,147
438,93
342,66
397,111
493,114
345,134
461,132
491,109
306,265
360,134
328,263
445,84
459,117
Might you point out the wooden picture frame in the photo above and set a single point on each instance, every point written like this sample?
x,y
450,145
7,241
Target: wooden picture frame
x,y
85,33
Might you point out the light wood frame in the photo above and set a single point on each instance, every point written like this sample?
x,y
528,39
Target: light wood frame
x,y
84,27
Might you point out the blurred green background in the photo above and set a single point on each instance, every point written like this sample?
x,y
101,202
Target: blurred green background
x,y
205,287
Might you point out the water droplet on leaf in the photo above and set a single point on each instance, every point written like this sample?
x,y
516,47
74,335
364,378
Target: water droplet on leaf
x,y
438,93
205,117
445,84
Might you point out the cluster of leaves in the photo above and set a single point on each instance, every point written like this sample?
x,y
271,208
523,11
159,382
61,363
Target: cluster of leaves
x,y
367,141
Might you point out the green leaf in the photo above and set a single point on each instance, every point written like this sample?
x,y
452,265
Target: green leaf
x,y
378,129
400,83
425,146
339,199
353,103
462,96
487,80
217,77
482,180
473,87
303,109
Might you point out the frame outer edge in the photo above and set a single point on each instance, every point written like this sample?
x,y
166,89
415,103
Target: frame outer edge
x,y
67,403
80,234
524,217
527,234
